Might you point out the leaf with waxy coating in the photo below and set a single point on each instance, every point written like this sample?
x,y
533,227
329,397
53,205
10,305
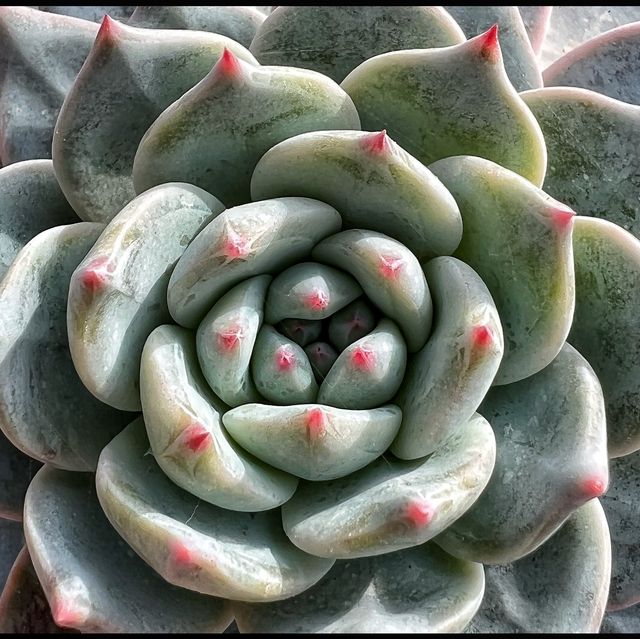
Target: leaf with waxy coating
x,y
252,239
313,441
390,276
536,22
372,181
183,421
45,410
30,202
518,240
551,458
559,588
118,293
421,587
322,357
213,136
391,505
301,331
130,76
592,142
606,323
240,556
16,472
448,378
351,323
92,579
456,100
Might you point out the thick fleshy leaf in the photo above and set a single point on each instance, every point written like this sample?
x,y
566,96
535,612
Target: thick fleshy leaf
x,y
334,40
92,580
11,541
518,54
622,507
240,556
590,140
351,323
281,370
416,590
448,378
23,606
313,441
536,22
372,181
607,64
253,239
625,621
130,76
213,136
560,588
390,276
391,505
45,410
40,56
302,332
455,100
118,293
16,471
322,357
238,23
183,421
30,202
226,337
309,290
368,372
518,239
93,13
606,324
570,26
551,458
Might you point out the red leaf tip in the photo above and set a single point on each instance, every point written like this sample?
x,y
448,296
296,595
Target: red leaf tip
x,y
593,487
228,64
180,554
562,218
316,422
317,300
196,437
419,513
66,615
489,45
108,29
481,336
285,358
229,338
390,266
96,274
376,143
363,358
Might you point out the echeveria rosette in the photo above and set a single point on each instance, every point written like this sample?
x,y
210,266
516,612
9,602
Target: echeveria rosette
x,y
349,346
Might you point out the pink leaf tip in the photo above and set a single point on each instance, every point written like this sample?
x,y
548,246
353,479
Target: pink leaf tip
x,y
65,614
228,64
363,358
390,266
229,338
235,245
489,45
196,437
593,487
419,513
481,336
96,274
562,218
108,29
285,358
376,143
317,300
315,422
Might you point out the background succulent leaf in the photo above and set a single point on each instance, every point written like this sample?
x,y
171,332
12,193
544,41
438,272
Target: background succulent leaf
x,y
213,136
536,23
130,76
420,587
45,410
391,505
447,379
551,458
93,13
118,293
240,556
335,40
626,620
92,580
518,54
593,163
40,56
16,472
371,180
238,23
313,441
30,202
518,240
455,100
559,588
606,324
11,540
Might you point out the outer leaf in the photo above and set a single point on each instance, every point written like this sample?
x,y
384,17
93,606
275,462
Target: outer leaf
x,y
93,581
606,325
560,588
128,79
419,588
45,410
373,182
391,505
556,416
40,56
118,293
452,101
592,153
518,240
241,556
30,202
238,23
335,40
519,56
607,63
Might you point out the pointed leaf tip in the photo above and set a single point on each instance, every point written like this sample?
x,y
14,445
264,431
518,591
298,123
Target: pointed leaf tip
x,y
108,29
376,143
228,64
66,615
482,336
563,218
593,487
419,513
489,45
197,437
316,421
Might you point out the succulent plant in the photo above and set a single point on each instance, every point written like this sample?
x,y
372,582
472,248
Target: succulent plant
x,y
320,321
